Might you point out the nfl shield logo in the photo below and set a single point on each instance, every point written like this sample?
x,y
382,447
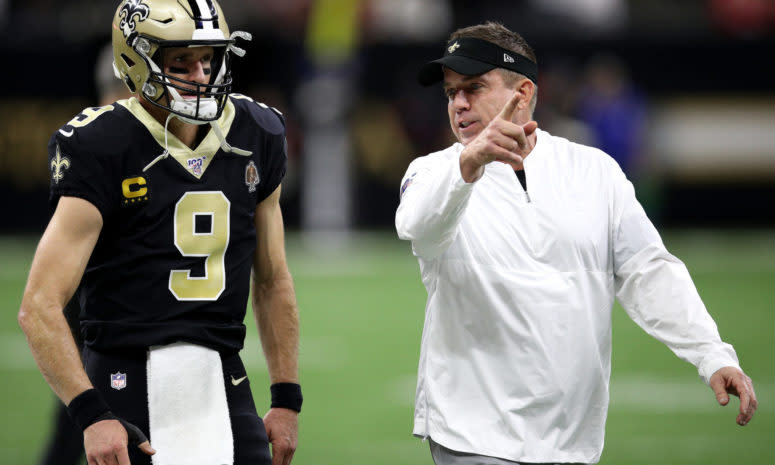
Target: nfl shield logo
x,y
118,381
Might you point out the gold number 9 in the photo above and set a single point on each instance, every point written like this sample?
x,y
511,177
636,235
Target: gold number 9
x,y
211,244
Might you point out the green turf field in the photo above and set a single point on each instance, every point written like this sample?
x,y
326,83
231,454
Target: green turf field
x,y
361,305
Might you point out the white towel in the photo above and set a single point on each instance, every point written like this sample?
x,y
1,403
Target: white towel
x,y
187,408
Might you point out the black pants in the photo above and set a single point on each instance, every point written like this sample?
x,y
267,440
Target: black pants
x,y
251,446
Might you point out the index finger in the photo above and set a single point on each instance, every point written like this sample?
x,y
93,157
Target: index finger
x,y
747,404
508,110
745,413
123,457
278,456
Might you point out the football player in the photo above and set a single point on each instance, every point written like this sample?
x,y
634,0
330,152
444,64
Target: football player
x,y
164,204
65,445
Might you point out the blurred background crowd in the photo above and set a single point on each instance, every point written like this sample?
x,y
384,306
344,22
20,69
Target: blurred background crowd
x,y
681,93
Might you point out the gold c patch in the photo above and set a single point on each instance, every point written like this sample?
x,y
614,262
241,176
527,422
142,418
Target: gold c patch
x,y
135,191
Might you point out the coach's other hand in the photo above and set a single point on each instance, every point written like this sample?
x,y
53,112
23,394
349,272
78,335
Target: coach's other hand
x,y
730,380
282,429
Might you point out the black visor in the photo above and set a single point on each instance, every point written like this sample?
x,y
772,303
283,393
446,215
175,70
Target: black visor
x,y
471,57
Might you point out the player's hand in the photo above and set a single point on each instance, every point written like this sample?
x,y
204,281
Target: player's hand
x,y
106,442
502,140
136,437
730,380
282,428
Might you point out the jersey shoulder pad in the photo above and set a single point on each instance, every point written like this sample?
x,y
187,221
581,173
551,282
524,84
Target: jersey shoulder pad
x,y
94,129
268,118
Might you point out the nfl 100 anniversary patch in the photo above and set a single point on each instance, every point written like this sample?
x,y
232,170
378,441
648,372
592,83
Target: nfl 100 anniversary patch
x,y
196,165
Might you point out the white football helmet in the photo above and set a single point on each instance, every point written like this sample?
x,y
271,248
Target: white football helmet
x,y
142,28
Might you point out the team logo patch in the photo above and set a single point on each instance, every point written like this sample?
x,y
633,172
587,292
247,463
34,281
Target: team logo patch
x,y
133,10
118,381
134,190
407,183
196,164
58,166
251,176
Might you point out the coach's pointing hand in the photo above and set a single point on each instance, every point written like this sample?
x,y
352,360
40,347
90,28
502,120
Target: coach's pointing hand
x,y
501,140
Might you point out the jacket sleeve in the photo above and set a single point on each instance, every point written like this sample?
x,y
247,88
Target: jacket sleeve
x,y
433,200
656,291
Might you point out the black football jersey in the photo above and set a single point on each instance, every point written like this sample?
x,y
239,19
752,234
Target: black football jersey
x,y
175,253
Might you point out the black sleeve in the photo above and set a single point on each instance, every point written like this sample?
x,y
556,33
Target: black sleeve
x,y
274,163
76,172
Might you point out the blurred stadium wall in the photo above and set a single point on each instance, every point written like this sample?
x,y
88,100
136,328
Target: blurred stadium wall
x,y
682,92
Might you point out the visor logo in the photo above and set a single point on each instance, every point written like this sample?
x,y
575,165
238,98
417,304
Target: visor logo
x,y
508,58
133,10
453,47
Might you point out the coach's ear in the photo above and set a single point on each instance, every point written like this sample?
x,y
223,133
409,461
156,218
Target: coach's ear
x,y
526,88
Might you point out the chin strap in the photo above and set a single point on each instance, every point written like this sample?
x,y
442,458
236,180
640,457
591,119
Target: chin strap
x,y
225,146
166,152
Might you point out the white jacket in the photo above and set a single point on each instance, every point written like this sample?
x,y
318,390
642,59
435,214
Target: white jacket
x,y
516,349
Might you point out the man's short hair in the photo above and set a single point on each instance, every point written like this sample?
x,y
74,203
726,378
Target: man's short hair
x,y
500,35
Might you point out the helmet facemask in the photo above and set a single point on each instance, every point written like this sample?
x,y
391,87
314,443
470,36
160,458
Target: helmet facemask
x,y
191,101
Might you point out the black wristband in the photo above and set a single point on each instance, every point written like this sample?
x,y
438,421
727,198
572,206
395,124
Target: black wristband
x,y
286,395
88,408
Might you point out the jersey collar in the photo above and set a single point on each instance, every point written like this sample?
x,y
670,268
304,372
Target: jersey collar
x,y
195,161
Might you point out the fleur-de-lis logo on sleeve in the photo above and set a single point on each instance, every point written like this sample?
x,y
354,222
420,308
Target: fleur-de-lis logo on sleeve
x,y
58,166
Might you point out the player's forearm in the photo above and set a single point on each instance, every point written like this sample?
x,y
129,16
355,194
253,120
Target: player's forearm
x,y
53,347
277,318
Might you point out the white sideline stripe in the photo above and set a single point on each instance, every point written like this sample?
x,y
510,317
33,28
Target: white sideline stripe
x,y
315,269
643,394
321,354
639,394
